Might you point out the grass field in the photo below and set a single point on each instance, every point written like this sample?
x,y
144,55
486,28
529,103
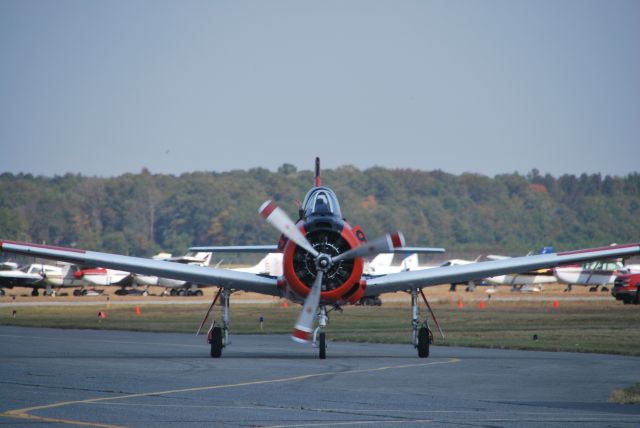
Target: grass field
x,y
602,326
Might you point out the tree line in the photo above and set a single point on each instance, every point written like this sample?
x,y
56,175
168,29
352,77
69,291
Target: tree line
x,y
141,214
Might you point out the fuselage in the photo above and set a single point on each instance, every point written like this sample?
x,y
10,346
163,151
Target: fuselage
x,y
594,273
322,222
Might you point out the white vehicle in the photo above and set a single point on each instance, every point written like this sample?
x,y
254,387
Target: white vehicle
x,y
322,270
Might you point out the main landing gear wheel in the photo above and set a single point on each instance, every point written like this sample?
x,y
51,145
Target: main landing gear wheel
x,y
322,346
423,342
216,342
35,292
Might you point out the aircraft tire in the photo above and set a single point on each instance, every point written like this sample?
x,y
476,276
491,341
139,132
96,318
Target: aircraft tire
x,y
35,292
322,349
173,292
216,342
197,293
636,300
423,342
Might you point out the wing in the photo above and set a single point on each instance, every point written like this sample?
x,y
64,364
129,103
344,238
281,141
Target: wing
x,y
420,250
460,273
237,249
191,273
274,248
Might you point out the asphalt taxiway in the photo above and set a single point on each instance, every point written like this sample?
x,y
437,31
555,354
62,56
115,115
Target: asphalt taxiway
x,y
116,378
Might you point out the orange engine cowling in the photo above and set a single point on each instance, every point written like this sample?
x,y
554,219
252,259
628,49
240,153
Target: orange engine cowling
x,y
342,282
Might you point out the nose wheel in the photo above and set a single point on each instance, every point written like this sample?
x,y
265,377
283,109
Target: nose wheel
x,y
322,346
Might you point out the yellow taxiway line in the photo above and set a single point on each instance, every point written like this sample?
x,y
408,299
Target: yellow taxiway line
x,y
25,413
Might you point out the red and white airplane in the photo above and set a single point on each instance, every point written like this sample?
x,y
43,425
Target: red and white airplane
x,y
322,268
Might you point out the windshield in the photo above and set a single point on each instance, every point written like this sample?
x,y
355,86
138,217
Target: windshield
x,y
321,201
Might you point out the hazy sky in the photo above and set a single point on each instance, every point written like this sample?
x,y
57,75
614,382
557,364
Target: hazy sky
x,y
107,87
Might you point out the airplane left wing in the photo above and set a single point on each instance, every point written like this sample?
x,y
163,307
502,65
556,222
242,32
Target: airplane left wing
x,y
461,273
197,274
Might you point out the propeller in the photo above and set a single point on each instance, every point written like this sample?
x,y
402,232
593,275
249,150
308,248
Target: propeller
x,y
279,219
275,216
383,244
304,325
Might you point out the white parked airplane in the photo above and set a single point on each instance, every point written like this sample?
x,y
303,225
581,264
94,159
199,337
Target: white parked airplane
x,y
11,276
322,269
173,286
592,274
525,281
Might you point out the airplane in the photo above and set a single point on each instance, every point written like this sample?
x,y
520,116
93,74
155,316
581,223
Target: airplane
x,y
322,269
173,286
11,276
524,281
39,276
594,274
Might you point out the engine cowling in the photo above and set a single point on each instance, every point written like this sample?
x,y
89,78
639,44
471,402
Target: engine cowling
x,y
342,281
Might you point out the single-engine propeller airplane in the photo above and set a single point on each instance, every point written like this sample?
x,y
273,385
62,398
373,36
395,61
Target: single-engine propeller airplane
x,y
322,268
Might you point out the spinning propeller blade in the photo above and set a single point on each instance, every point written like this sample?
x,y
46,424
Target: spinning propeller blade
x,y
383,244
281,221
304,326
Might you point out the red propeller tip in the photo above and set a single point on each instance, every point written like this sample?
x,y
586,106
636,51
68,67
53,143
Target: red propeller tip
x,y
300,335
266,209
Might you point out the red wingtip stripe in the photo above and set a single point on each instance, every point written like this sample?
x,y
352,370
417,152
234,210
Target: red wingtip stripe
x,y
299,334
47,247
267,208
590,250
397,240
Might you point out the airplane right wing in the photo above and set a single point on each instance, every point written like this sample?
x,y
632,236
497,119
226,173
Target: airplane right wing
x,y
191,273
237,249
403,281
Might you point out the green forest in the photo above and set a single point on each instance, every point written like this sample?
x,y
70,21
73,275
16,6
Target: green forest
x,y
142,214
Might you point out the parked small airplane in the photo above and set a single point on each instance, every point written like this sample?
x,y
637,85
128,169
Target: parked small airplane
x,y
594,274
525,281
174,287
11,276
322,269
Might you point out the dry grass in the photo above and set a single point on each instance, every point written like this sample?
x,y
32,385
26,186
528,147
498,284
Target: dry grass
x,y
578,326
629,395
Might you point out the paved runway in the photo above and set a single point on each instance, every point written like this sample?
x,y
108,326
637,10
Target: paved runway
x,y
112,378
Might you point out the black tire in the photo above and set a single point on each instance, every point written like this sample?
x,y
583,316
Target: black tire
x,y
84,292
35,292
636,300
216,342
182,293
173,292
423,342
197,293
322,342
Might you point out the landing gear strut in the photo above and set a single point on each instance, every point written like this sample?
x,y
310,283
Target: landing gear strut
x,y
218,337
421,335
319,336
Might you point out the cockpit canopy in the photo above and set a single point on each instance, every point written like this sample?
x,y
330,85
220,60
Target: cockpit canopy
x,y
321,201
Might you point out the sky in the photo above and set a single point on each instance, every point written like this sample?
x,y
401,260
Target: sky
x,y
109,87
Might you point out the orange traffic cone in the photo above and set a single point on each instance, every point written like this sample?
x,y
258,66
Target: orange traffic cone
x,y
137,310
481,304
285,304
460,304
555,304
